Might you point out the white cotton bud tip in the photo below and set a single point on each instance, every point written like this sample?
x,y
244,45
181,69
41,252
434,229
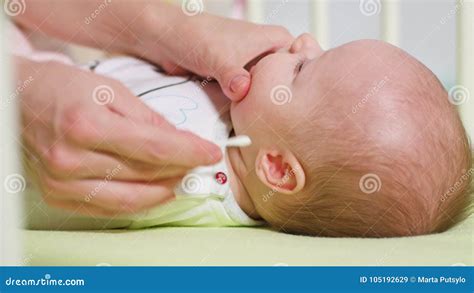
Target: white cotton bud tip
x,y
238,141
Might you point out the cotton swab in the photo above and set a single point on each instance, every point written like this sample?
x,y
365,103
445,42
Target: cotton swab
x,y
238,141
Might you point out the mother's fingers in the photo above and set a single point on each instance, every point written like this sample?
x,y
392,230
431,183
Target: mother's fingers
x,y
231,75
173,69
97,165
275,35
81,208
67,162
143,142
116,196
234,81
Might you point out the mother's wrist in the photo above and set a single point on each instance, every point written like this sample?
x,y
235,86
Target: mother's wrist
x,y
155,27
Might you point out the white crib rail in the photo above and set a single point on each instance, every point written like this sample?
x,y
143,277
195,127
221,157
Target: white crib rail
x,y
320,22
255,10
391,21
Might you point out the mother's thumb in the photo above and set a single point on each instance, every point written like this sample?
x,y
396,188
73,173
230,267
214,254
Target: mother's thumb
x,y
235,82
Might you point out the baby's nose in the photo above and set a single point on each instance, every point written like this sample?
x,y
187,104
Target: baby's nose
x,y
307,45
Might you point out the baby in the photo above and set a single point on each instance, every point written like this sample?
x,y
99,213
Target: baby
x,y
360,140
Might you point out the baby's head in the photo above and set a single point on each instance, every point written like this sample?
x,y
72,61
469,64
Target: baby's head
x,y
359,140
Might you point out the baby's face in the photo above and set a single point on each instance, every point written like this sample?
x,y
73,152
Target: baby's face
x,y
278,83
281,93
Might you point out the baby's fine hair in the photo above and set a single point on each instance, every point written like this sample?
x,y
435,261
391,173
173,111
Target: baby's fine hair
x,y
409,174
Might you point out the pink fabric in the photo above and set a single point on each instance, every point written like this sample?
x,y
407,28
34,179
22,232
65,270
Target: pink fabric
x,y
20,46
238,9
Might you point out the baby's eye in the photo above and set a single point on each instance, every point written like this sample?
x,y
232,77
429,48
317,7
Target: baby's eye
x,y
299,66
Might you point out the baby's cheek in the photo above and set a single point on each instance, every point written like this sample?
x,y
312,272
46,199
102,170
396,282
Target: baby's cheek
x,y
238,113
262,105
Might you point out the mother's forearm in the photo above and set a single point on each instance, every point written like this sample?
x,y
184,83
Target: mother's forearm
x,y
113,25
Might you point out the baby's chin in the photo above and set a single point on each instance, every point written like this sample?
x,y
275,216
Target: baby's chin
x,y
235,116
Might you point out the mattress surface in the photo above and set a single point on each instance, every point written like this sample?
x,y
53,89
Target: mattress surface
x,y
242,246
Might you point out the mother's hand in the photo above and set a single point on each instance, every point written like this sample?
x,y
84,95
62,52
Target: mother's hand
x,y
208,45
95,148
205,44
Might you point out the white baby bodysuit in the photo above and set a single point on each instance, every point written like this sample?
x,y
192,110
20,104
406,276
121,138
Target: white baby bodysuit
x,y
203,197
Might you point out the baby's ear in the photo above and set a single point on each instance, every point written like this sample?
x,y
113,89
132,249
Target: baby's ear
x,y
280,170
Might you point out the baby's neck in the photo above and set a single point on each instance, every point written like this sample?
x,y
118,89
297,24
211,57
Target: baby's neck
x,y
237,169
